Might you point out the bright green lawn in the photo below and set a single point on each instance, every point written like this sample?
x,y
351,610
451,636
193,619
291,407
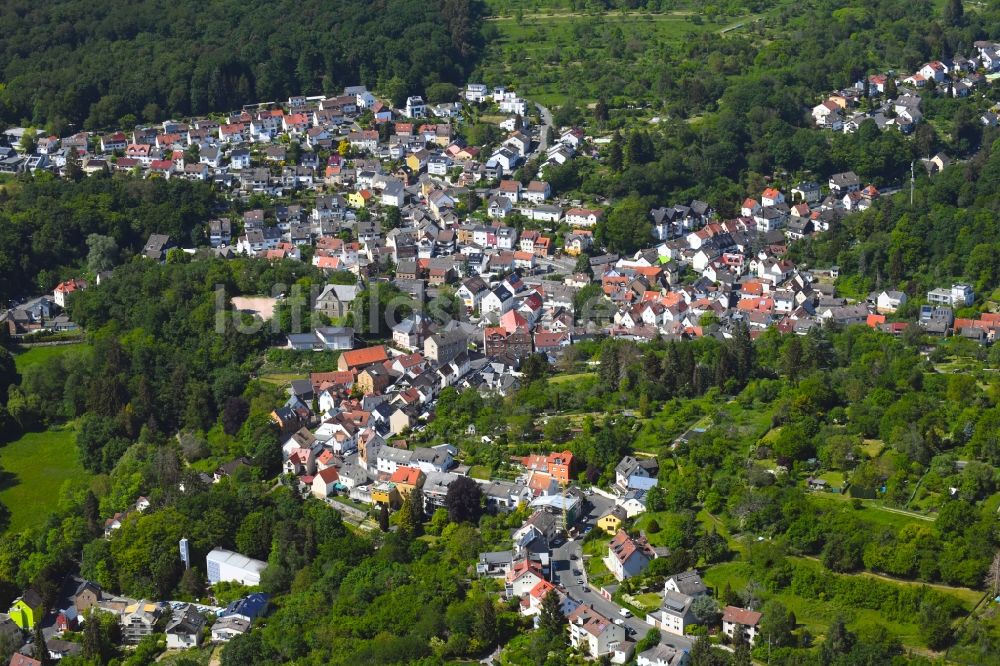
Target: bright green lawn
x,y
559,379
871,510
34,468
35,355
479,472
281,378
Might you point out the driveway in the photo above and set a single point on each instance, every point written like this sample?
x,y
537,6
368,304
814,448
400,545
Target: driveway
x,y
563,566
543,132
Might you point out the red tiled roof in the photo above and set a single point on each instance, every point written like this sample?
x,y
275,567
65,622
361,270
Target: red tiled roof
x,y
329,475
366,356
742,616
407,475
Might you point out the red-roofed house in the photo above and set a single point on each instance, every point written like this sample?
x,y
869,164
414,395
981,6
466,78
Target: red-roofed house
x,y
740,621
64,289
555,464
356,359
597,635
522,577
531,604
324,483
627,556
772,197
406,480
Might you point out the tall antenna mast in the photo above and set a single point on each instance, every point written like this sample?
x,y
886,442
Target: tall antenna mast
x,y
911,183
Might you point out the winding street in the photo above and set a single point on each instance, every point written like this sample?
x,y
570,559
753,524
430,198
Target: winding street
x,y
543,132
564,564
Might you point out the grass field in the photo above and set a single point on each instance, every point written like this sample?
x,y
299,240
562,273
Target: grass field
x,y
560,379
34,468
871,510
35,355
479,472
816,615
282,378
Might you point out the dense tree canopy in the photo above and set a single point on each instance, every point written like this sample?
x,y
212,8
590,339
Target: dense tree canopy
x,y
97,64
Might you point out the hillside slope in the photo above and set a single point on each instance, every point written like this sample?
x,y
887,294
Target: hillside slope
x,y
93,62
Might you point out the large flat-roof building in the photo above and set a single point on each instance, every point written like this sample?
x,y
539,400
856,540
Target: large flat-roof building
x,y
225,566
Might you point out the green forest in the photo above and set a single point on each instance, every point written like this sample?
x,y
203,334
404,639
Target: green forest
x,y
889,566
78,64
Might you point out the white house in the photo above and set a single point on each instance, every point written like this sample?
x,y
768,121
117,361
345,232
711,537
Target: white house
x,y
415,107
185,628
227,628
476,92
597,635
583,217
890,301
674,614
740,622
628,556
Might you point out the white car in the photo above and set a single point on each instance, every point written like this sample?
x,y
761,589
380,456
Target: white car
x,y
624,612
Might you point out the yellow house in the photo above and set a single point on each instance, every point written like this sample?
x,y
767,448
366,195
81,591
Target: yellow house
x,y
612,521
386,493
359,199
406,480
26,610
418,160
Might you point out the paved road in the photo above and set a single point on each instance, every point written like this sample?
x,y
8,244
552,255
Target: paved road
x,y
543,132
564,566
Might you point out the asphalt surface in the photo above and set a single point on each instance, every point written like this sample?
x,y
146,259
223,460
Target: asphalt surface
x,y
543,132
564,565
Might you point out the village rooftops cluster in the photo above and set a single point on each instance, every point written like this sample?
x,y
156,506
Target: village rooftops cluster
x,y
846,109
184,624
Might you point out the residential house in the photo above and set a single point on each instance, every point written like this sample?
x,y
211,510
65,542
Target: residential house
x,y
557,464
407,479
888,302
385,493
185,628
663,655
628,556
612,519
740,623
19,659
86,596
583,217
842,183
227,628
495,564
632,472
687,582
64,289
522,577
358,359
633,502
674,614
442,347
139,620
325,482
26,611
597,635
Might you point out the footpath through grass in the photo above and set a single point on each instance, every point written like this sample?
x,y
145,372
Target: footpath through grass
x,y
34,468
